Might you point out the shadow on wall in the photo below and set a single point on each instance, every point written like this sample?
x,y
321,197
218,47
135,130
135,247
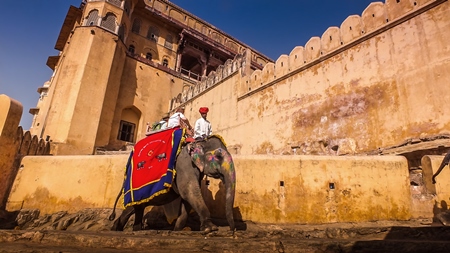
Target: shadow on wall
x,y
216,206
156,219
441,213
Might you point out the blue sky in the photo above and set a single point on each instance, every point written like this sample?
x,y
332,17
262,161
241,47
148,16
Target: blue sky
x,y
30,28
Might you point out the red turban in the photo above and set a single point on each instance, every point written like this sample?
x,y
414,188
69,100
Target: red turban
x,y
203,110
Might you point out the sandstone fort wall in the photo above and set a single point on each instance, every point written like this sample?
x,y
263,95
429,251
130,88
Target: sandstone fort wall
x,y
270,188
305,189
377,80
14,144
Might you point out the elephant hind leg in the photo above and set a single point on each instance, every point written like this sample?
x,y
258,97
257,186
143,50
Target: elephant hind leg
x,y
182,218
120,223
138,217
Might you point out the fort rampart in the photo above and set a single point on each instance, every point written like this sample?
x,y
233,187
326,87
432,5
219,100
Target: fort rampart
x,y
295,189
14,144
377,80
270,189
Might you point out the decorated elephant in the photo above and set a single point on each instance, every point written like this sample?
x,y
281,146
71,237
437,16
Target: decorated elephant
x,y
207,157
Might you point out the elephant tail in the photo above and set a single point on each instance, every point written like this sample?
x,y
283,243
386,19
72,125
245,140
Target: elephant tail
x,y
112,216
127,167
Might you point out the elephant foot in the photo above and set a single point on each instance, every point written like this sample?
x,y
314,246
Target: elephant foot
x,y
208,227
117,226
137,227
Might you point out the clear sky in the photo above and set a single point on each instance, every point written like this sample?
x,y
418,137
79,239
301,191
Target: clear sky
x,y
29,30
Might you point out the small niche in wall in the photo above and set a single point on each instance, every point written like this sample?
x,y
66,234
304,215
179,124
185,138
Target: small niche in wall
x,y
331,186
282,183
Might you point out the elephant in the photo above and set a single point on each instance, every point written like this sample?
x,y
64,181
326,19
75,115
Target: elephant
x,y
444,162
204,157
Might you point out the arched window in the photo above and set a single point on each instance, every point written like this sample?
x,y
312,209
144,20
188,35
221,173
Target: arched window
x,y
153,33
136,26
131,49
148,56
166,63
168,43
109,22
92,18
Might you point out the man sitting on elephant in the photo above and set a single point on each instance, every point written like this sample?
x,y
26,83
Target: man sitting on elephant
x,y
202,128
178,119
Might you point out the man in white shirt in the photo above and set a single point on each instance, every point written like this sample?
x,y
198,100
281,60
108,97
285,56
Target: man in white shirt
x,y
164,121
202,127
178,119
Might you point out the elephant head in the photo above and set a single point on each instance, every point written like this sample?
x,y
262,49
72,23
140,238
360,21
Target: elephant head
x,y
213,159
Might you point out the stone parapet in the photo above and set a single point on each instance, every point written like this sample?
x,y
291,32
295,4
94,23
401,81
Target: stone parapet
x,y
270,189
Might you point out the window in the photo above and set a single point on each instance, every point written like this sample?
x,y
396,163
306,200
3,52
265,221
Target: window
x,y
126,131
165,63
148,56
153,33
136,26
131,49
168,43
92,18
109,22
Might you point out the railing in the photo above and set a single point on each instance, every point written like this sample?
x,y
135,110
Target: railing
x,y
190,74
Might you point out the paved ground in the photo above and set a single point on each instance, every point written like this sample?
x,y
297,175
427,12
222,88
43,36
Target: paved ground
x,y
362,237
89,232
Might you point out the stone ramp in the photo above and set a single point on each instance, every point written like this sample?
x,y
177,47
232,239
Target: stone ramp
x,y
257,238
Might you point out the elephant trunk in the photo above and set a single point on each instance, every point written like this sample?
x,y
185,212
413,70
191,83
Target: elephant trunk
x,y
229,180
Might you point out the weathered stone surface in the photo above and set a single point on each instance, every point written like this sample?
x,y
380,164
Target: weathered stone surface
x,y
86,231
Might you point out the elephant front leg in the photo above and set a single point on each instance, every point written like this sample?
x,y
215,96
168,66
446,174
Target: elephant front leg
x,y
195,199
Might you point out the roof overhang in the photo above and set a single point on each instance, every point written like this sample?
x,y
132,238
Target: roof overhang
x,y
34,110
72,15
52,61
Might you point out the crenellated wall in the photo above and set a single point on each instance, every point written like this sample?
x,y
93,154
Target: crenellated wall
x,y
222,73
373,82
14,144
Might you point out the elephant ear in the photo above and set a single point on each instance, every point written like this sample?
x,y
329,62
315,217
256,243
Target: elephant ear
x,y
198,156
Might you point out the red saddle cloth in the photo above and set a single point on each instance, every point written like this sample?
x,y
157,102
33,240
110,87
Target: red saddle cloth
x,y
149,171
